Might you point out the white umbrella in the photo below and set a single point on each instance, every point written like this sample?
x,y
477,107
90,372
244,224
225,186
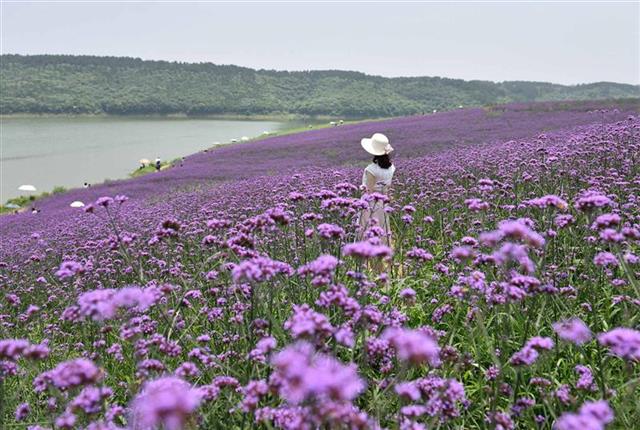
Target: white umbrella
x,y
244,138
26,188
144,161
77,204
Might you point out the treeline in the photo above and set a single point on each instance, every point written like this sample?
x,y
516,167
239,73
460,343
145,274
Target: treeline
x,y
122,86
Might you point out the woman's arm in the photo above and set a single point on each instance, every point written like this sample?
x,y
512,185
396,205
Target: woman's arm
x,y
369,181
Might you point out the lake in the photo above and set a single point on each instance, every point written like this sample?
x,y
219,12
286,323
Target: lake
x,y
69,151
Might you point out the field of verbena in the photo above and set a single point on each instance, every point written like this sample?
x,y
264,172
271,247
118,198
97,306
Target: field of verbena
x,y
510,299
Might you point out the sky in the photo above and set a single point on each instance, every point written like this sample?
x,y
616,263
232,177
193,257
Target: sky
x,y
567,43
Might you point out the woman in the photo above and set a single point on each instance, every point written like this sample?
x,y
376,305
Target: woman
x,y
377,178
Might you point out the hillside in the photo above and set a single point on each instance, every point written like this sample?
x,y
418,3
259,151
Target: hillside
x,y
179,300
121,85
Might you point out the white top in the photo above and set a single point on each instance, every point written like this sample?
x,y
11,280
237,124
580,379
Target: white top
x,y
383,176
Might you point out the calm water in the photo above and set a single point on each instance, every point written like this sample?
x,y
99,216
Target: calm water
x,y
46,152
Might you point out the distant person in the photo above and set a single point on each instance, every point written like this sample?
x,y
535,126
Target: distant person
x,y
376,178
158,164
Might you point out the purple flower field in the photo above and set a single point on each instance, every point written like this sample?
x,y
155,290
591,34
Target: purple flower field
x,y
231,291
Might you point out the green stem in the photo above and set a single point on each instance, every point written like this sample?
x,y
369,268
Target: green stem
x,y
1,402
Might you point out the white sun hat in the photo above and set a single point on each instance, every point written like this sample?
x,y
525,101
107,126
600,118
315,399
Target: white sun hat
x,y
77,204
378,144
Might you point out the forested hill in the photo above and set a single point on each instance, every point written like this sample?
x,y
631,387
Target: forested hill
x,y
121,85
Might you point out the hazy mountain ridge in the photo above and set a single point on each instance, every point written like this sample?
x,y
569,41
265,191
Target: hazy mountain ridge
x,y
123,85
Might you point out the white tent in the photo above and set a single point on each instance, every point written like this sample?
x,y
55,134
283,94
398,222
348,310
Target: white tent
x,y
26,188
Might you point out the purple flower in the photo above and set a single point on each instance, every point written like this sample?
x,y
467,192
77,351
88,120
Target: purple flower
x,y
539,343
605,259
492,373
518,230
476,205
68,269
562,221
66,421
13,349
135,297
166,402
606,220
253,392
622,342
366,249
419,254
408,391
98,304
408,294
530,351
263,347
321,269
260,269
585,381
306,375
305,322
187,370
329,378
547,201
330,231
90,400
591,416
462,253
101,305
70,374
104,201
501,421
413,346
573,330
591,200
511,252
345,336
22,411
525,357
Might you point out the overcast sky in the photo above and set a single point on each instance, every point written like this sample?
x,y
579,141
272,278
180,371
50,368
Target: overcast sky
x,y
565,43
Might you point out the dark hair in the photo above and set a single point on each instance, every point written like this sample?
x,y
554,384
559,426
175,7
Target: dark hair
x,y
383,161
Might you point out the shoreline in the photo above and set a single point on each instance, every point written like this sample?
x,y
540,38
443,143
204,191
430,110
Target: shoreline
x,y
26,201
